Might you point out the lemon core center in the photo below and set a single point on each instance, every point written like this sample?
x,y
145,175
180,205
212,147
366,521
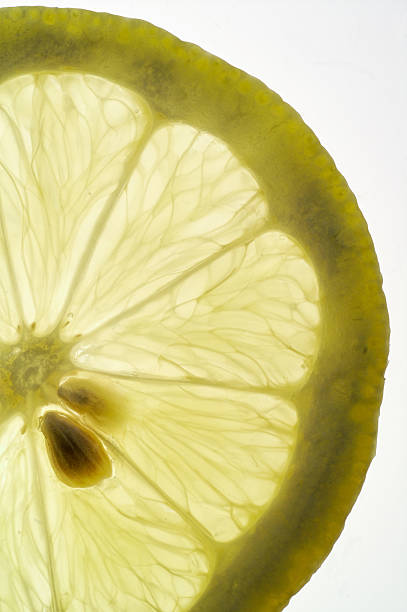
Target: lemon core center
x,y
27,366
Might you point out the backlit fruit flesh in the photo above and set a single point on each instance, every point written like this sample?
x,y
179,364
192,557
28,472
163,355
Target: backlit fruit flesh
x,y
193,331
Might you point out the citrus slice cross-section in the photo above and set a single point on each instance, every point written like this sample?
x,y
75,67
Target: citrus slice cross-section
x,y
168,285
193,334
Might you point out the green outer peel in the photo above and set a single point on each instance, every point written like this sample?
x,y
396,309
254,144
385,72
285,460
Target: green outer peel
x,y
312,203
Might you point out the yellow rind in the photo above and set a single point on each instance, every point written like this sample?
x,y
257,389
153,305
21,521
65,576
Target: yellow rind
x,y
310,201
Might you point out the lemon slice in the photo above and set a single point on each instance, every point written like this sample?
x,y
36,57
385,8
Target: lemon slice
x,y
193,332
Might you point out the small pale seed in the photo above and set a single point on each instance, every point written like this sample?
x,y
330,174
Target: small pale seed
x,y
97,404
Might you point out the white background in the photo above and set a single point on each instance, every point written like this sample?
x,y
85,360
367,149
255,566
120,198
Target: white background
x,y
342,64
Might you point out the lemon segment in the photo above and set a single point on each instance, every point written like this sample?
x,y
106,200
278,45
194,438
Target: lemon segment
x,y
140,553
218,454
66,139
249,318
187,199
10,316
25,564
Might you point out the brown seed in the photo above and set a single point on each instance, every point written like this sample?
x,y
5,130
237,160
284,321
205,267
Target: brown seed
x,y
77,456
